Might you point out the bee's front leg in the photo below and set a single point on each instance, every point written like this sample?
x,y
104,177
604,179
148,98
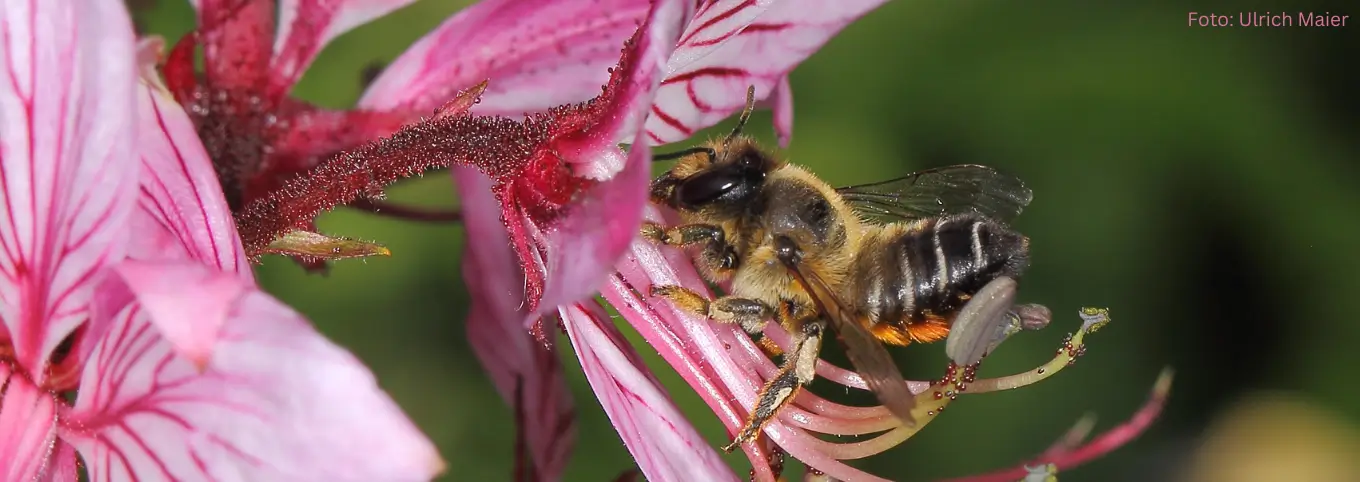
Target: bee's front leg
x,y
799,369
683,235
718,257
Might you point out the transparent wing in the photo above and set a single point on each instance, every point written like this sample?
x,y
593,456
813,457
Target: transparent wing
x,y
944,190
872,362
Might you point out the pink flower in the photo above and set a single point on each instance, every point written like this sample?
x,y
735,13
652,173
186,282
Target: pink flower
x,y
566,198
258,136
133,334
551,202
564,244
255,133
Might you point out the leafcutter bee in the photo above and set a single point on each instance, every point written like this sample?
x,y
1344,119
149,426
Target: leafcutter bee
x,y
896,262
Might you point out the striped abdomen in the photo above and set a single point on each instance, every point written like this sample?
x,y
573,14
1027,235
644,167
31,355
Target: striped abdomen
x,y
912,279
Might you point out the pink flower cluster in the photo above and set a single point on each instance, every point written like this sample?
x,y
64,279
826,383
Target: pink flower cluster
x,y
137,190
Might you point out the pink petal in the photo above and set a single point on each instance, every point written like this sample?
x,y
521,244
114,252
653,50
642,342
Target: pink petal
x,y
276,402
64,466
28,423
622,112
585,244
582,245
537,53
182,211
306,26
236,35
662,441
783,111
66,128
496,331
188,306
715,63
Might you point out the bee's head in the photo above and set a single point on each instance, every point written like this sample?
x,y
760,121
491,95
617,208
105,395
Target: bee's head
x,y
722,175
733,178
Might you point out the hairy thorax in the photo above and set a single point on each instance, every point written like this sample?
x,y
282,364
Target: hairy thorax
x,y
796,205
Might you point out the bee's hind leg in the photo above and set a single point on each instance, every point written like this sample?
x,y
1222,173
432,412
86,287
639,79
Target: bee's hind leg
x,y
799,369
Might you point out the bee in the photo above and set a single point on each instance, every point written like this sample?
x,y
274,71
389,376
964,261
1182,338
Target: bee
x,y
916,259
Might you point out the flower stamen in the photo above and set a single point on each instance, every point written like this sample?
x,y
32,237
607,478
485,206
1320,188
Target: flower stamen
x,y
814,415
1063,456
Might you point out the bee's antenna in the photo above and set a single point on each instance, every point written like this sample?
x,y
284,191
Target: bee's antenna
x,y
736,131
712,155
745,114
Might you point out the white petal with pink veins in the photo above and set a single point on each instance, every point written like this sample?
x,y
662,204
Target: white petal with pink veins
x,y
276,401
536,53
68,180
710,72
188,306
180,194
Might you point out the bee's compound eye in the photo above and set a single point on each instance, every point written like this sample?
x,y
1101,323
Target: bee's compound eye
x,y
732,183
707,187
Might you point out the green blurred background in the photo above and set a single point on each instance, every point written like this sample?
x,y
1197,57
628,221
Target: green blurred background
x,y
1198,181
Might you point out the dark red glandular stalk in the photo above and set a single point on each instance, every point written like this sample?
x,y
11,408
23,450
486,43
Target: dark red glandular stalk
x,y
527,159
282,162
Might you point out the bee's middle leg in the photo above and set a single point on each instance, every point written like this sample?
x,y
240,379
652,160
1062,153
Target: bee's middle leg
x,y
750,314
799,369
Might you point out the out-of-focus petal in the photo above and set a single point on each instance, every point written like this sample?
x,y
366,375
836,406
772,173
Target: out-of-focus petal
x,y
537,53
188,306
64,465
276,402
708,76
495,326
28,427
306,26
236,36
662,441
66,127
180,194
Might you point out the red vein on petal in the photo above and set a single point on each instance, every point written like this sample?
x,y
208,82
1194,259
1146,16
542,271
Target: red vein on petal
x,y
716,18
705,72
184,168
671,121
